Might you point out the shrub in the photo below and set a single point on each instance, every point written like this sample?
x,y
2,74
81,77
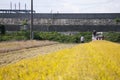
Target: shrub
x,y
55,36
117,20
112,36
20,35
6,38
2,29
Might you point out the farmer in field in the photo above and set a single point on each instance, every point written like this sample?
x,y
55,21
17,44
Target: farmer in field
x,y
94,35
82,39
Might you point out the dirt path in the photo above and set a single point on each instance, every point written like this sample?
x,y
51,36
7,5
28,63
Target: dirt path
x,y
14,56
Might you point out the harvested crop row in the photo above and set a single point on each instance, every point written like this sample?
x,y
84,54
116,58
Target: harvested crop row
x,y
14,56
18,45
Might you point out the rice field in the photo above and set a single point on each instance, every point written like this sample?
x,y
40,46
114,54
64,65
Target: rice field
x,y
96,60
18,45
12,52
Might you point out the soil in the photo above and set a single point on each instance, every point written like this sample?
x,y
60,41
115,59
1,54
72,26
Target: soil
x,y
12,55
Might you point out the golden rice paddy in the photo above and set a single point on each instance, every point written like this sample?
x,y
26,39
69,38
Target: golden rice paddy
x,y
97,60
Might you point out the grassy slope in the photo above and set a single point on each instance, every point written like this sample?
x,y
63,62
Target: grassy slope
x,y
97,60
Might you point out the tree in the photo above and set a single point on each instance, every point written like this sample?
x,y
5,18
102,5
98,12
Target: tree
x,y
117,20
24,22
24,25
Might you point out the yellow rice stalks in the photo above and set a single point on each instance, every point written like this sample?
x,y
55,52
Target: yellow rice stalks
x,y
97,60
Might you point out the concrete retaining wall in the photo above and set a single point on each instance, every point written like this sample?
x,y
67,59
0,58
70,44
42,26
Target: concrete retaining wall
x,y
64,28
63,21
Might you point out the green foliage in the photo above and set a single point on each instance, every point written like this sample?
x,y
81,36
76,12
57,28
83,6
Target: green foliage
x,y
24,25
2,29
24,22
20,35
112,36
87,36
117,20
5,38
55,36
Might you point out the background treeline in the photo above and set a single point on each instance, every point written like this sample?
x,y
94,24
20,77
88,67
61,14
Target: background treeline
x,y
55,36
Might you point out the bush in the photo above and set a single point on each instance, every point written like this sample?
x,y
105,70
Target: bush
x,y
55,36
117,20
2,29
87,36
20,35
6,38
112,36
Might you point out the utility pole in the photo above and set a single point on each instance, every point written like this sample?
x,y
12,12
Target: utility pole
x,y
15,6
31,26
11,5
25,6
19,5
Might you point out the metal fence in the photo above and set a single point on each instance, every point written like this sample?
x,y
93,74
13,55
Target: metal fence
x,y
62,15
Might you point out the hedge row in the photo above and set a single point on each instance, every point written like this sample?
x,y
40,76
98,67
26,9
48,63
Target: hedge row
x,y
55,36
112,36
13,36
